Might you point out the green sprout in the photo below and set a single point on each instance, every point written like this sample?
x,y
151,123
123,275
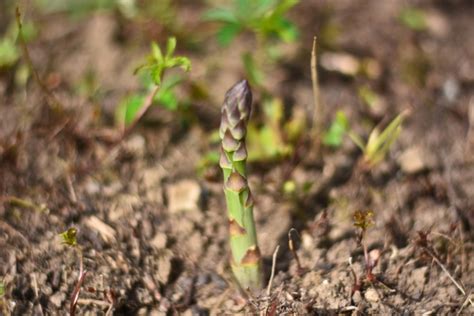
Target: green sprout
x,y
379,142
157,63
246,261
68,237
159,88
363,219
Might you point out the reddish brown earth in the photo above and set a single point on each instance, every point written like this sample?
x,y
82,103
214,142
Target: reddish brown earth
x,y
146,256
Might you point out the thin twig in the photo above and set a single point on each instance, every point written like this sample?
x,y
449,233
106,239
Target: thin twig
x,y
78,286
435,259
291,245
145,106
466,301
270,282
317,111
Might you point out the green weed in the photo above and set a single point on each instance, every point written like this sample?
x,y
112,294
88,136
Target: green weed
x,y
265,19
159,89
379,142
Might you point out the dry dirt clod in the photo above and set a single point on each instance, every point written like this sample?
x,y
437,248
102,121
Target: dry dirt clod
x,y
57,299
106,232
159,241
183,196
416,159
371,295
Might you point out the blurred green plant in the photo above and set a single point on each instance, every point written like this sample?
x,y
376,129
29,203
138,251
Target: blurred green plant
x,y
273,139
368,96
265,19
413,18
68,237
334,136
3,304
9,51
159,89
379,142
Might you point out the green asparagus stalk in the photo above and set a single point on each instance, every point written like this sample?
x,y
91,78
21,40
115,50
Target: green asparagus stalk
x,y
246,263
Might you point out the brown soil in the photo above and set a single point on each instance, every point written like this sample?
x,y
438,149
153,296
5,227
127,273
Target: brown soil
x,y
147,257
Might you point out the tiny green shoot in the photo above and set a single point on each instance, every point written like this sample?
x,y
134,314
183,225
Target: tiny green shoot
x,y
68,237
159,88
379,142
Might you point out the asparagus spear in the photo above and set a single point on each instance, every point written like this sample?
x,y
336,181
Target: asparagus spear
x,y
246,263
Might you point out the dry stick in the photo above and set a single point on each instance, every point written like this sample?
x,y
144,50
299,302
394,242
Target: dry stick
x,y
54,103
291,245
270,282
145,106
448,274
318,111
80,281
466,301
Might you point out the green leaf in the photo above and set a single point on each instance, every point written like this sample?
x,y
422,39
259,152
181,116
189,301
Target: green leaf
x,y
156,72
227,33
414,19
182,62
379,144
168,99
220,15
128,109
69,237
334,136
288,32
156,53
254,74
9,53
170,47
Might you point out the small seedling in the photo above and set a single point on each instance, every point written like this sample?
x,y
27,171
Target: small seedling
x,y
246,261
379,142
68,238
159,87
364,220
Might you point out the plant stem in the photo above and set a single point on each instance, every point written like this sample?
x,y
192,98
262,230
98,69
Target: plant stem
x,y
246,263
318,115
